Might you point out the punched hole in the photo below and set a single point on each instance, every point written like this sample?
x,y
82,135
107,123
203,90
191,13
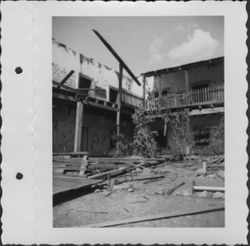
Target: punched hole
x,y
18,70
19,176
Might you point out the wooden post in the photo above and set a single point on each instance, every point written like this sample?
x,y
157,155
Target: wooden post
x,y
78,126
187,85
188,99
119,101
187,133
144,90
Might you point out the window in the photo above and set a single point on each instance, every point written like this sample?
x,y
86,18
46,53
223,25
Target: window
x,y
84,83
165,91
201,136
156,94
113,95
100,92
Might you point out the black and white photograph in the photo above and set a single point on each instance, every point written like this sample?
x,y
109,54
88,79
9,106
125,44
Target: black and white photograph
x,y
138,121
124,123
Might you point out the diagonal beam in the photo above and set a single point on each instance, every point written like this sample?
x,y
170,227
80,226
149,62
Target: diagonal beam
x,y
66,77
108,46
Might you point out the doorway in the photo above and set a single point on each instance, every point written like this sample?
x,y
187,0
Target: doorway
x,y
85,138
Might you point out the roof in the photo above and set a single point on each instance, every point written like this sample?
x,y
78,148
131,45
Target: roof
x,y
212,61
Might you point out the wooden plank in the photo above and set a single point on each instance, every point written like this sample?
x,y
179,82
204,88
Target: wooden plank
x,y
112,172
77,153
173,189
107,159
208,188
166,215
67,184
206,111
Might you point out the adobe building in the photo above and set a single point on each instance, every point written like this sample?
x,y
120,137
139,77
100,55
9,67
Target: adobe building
x,y
85,90
195,88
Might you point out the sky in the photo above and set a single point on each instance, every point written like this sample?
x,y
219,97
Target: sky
x,y
144,43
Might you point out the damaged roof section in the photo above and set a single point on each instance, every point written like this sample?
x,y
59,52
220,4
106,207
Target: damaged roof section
x,y
66,59
209,62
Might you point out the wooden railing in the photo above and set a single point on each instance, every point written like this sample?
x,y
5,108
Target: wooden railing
x,y
193,97
132,100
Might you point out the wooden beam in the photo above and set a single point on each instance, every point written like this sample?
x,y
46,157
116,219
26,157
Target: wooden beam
x,y
119,101
187,150
105,174
108,46
66,78
166,215
78,126
208,188
144,90
206,111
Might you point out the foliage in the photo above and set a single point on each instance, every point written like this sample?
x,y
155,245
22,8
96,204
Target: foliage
x,y
122,146
178,123
217,138
144,140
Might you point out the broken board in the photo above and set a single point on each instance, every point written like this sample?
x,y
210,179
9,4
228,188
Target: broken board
x,y
68,184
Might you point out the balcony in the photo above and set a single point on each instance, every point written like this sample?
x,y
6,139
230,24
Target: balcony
x,y
196,97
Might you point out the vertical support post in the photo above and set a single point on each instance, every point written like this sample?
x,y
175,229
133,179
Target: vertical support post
x,y
78,126
144,90
188,99
119,101
187,151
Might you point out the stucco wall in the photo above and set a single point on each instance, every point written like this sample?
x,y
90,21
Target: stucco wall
x,y
66,59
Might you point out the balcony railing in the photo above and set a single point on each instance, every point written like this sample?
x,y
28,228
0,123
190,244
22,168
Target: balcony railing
x,y
132,100
193,97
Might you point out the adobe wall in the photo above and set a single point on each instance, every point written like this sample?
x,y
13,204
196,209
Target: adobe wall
x,y
100,125
63,126
65,59
210,121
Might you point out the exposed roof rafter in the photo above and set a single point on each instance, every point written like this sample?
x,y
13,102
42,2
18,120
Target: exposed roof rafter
x,y
113,52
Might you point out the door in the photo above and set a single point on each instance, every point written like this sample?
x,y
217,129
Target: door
x,y
85,137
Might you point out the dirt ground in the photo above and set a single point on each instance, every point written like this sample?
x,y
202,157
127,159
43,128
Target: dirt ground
x,y
130,199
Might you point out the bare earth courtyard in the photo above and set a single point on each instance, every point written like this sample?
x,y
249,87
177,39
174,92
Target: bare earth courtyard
x,y
147,196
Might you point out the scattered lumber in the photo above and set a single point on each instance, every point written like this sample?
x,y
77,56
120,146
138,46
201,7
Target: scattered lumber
x,y
71,154
92,212
149,178
65,183
173,189
108,173
152,180
71,165
208,188
166,215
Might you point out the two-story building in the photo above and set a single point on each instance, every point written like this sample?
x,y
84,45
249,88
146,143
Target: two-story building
x,y
86,90
196,88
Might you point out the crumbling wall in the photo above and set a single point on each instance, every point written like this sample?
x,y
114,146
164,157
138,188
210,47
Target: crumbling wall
x,y
212,73
100,127
65,59
210,122
174,80
63,126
